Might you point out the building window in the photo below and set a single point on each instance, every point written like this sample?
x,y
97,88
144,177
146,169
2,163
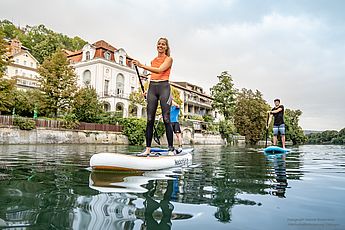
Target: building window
x,y
120,82
16,71
24,62
31,64
119,109
106,107
87,77
132,89
87,55
17,60
121,60
107,55
106,88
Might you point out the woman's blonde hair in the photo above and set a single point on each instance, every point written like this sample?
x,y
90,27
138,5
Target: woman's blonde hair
x,y
167,52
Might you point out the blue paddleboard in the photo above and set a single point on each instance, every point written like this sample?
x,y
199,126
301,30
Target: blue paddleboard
x,y
158,150
164,152
275,149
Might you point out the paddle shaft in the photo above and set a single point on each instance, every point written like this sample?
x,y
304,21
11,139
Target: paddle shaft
x,y
268,117
141,83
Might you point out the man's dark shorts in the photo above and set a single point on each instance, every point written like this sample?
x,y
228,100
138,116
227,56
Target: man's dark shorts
x,y
176,127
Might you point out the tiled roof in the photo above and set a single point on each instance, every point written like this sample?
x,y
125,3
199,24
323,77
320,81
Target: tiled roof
x,y
103,44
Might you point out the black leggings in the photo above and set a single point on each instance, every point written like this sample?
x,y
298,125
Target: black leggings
x,y
158,91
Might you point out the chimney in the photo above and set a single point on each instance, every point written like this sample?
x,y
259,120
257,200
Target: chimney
x,y
15,46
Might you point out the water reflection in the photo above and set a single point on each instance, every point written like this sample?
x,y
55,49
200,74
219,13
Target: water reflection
x,y
117,208
105,211
47,187
277,170
153,219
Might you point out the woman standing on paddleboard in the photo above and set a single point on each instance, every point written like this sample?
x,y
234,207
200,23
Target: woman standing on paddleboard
x,y
159,90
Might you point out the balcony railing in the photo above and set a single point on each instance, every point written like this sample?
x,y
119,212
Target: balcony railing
x,y
198,102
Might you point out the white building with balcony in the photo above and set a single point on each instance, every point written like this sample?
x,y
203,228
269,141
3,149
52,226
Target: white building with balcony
x,y
110,72
195,101
23,66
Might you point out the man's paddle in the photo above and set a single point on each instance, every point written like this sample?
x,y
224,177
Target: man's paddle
x,y
268,117
155,134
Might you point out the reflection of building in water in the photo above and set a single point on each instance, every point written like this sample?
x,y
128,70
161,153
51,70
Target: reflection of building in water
x,y
105,211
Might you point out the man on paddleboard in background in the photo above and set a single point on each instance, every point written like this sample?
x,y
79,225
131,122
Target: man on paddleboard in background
x,y
278,126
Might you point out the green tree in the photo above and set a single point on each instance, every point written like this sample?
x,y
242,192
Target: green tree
x,y
87,107
250,115
9,30
327,137
341,137
25,102
227,129
58,82
3,57
7,88
342,133
294,132
41,41
45,48
223,94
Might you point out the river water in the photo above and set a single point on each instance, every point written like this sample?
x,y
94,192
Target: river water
x,y
51,187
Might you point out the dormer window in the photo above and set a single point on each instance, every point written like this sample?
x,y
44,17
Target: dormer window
x,y
87,55
107,55
121,60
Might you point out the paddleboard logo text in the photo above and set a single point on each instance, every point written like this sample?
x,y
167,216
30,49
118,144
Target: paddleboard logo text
x,y
182,161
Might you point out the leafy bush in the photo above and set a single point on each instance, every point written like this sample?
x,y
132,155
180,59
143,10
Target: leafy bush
x,y
195,117
87,107
134,129
24,123
208,118
212,128
71,121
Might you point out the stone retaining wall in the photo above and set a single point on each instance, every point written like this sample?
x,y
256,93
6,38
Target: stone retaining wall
x,y
13,135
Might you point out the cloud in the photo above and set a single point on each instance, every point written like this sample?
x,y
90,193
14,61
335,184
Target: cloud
x,y
282,56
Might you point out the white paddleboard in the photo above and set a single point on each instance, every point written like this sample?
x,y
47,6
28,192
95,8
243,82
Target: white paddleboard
x,y
124,162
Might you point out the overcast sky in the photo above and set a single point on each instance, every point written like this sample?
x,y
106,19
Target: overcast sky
x,y
292,50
